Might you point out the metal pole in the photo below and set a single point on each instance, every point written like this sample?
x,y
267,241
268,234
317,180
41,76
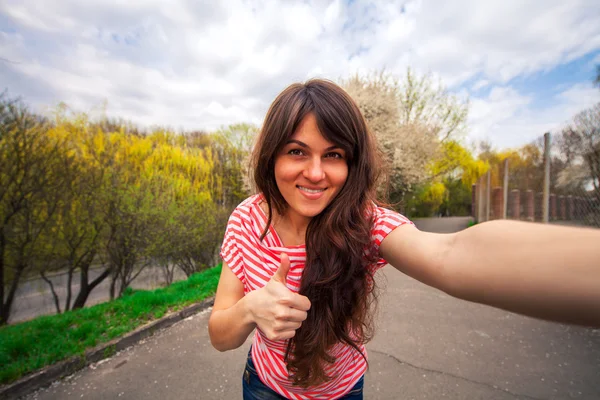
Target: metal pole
x,y
505,198
546,195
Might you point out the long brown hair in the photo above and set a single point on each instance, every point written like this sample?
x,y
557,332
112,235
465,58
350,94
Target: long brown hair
x,y
336,278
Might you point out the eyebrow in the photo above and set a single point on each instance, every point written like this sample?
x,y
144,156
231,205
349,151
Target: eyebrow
x,y
302,144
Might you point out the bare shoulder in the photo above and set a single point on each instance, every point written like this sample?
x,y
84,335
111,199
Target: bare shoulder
x,y
418,254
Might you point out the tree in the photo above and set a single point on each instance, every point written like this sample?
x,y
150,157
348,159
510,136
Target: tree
x,y
458,199
426,103
129,206
525,164
73,243
199,234
407,148
231,150
75,193
411,118
579,145
30,193
449,190
160,207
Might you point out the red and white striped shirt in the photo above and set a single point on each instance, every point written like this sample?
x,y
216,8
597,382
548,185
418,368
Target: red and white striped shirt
x,y
254,262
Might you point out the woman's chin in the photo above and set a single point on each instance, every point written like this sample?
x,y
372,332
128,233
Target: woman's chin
x,y
309,211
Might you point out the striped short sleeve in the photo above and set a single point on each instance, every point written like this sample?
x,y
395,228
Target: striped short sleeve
x,y
230,251
385,221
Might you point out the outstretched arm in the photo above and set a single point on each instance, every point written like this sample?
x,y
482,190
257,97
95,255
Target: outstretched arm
x,y
543,271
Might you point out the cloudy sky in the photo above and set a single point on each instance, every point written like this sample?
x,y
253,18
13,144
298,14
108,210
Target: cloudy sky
x,y
527,66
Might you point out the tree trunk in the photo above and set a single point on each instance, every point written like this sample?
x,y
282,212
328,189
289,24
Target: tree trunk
x,y
54,294
123,283
130,276
6,305
168,272
3,315
69,281
86,288
113,282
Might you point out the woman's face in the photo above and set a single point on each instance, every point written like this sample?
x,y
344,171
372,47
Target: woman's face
x,y
309,170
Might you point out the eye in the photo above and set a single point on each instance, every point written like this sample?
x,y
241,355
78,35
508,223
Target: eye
x,y
334,155
295,152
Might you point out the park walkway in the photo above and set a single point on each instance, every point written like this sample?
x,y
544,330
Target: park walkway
x,y
428,346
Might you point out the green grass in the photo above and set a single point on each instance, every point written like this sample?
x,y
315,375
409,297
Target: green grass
x,y
31,345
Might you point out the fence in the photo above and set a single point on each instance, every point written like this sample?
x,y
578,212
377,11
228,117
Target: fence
x,y
546,191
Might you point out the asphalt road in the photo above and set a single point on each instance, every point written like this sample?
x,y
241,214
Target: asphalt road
x,y
33,297
428,346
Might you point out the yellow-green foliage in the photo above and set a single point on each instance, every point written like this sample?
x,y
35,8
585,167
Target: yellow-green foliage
x,y
458,161
525,165
80,189
434,194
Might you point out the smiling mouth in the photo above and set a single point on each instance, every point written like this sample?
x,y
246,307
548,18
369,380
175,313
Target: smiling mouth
x,y
307,190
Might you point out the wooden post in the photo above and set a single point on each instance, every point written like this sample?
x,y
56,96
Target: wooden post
x,y
553,208
480,201
515,202
562,204
497,203
488,196
570,208
474,201
505,197
529,205
546,198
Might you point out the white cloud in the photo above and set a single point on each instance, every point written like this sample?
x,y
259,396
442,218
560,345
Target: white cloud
x,y
200,65
480,84
505,119
505,39
488,115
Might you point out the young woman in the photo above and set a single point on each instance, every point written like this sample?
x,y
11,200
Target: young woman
x,y
299,257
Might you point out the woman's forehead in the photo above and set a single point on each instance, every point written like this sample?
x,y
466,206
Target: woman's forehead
x,y
309,133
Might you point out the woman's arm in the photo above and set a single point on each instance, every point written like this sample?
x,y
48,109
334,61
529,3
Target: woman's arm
x,y
275,309
230,322
544,271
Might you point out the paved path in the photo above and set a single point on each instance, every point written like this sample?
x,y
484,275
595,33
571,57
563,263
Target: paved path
x,y
34,298
428,346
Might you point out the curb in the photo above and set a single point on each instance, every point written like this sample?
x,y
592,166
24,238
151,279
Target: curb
x,y
51,373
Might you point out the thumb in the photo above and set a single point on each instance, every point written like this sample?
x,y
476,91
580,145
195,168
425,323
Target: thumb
x,y
282,271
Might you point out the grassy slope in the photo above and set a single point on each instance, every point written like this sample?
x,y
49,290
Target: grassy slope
x,y
31,345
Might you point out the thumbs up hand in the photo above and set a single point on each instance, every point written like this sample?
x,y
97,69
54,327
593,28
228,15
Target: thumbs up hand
x,y
284,267
275,309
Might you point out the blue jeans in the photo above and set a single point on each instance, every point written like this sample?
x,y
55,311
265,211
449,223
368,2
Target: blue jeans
x,y
254,389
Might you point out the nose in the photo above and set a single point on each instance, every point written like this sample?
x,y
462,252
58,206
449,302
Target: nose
x,y
314,170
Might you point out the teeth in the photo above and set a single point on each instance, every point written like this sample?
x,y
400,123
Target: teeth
x,y
311,190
